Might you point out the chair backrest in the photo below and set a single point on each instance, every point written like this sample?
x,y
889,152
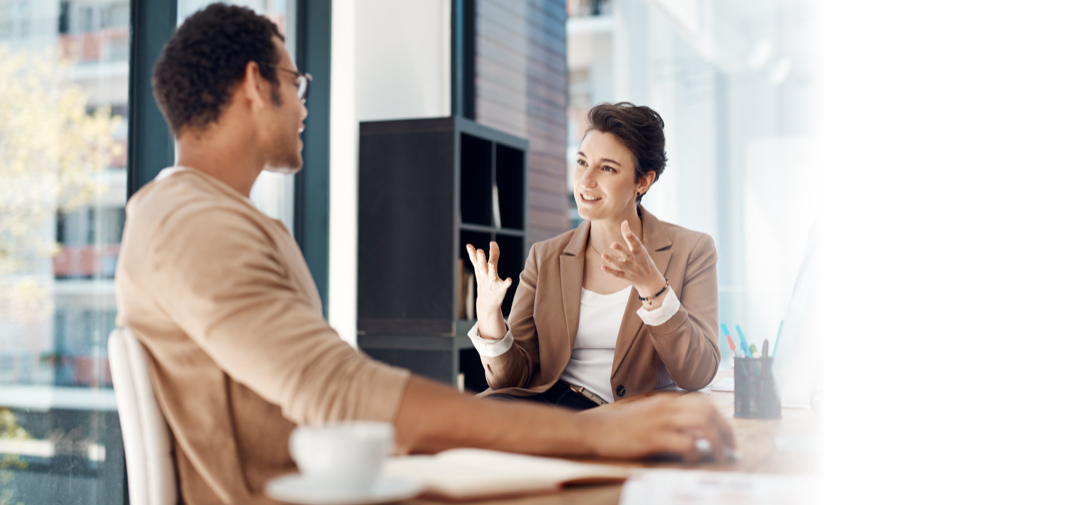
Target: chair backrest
x,y
148,446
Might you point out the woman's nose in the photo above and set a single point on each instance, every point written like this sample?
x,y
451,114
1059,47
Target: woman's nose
x,y
587,178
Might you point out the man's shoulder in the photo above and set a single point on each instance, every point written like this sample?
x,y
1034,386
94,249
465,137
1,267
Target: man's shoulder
x,y
179,198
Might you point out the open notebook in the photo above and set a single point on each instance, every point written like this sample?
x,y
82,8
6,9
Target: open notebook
x,y
472,474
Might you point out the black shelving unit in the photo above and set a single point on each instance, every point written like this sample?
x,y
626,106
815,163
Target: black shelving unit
x,y
427,188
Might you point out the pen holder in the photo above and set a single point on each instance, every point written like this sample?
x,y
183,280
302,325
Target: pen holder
x,y
755,389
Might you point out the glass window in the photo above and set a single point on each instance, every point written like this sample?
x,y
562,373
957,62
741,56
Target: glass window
x,y
736,84
63,140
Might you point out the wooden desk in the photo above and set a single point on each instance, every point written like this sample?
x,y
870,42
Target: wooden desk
x,y
774,446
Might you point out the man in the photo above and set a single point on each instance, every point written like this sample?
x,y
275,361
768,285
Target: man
x,y
222,299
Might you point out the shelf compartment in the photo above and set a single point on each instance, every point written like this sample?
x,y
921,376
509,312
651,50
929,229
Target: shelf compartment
x,y
510,179
476,190
511,263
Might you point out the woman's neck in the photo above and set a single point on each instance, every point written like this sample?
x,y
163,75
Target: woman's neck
x,y
602,233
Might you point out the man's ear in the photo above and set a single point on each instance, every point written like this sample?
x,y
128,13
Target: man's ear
x,y
254,86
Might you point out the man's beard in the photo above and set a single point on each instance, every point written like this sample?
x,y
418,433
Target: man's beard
x,y
285,163
283,168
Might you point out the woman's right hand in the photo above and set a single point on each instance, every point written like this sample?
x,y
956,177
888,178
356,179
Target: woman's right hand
x,y
490,291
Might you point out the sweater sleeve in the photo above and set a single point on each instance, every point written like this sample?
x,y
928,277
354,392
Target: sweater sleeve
x,y
224,281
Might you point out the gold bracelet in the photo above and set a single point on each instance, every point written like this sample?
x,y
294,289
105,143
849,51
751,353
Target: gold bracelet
x,y
658,293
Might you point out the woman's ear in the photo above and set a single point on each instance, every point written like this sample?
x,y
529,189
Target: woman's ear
x,y
646,182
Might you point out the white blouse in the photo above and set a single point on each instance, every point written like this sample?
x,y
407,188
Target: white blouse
x,y
594,347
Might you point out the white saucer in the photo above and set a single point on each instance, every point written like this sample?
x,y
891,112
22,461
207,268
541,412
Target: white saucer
x,y
307,491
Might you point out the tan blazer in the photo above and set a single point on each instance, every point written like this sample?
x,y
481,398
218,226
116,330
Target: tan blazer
x,y
544,317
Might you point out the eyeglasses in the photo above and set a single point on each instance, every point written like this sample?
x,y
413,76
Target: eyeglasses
x,y
303,82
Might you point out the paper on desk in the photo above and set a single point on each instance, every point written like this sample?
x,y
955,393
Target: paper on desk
x,y
723,384
693,487
475,474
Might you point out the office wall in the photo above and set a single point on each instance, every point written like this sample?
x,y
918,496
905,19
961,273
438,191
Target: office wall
x,y
521,88
403,59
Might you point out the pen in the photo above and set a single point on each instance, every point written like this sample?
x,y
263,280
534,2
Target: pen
x,y
765,349
777,342
753,350
743,340
731,344
728,335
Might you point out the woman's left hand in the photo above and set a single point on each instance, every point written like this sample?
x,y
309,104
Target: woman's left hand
x,y
632,263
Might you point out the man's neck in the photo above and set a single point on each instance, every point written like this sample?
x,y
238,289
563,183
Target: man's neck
x,y
229,159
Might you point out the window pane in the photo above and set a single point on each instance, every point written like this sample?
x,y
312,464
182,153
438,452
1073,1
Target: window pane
x,y
63,139
736,84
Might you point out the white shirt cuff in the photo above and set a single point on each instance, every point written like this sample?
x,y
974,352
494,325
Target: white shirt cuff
x,y
660,315
488,347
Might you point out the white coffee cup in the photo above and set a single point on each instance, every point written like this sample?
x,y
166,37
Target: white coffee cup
x,y
345,454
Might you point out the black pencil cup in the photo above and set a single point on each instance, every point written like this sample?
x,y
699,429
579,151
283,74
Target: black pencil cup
x,y
755,389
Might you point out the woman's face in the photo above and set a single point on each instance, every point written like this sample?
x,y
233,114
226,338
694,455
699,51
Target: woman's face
x,y
604,186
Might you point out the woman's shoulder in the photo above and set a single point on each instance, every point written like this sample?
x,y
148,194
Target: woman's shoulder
x,y
684,237
554,245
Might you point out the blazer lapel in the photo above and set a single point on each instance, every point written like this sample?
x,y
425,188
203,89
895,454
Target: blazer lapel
x,y
657,242
572,274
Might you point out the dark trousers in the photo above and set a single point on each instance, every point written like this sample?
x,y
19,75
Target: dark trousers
x,y
559,394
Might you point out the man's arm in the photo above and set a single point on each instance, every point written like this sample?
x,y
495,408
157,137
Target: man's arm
x,y
667,423
221,282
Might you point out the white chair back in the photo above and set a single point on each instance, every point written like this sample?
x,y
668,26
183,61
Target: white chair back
x,y
147,442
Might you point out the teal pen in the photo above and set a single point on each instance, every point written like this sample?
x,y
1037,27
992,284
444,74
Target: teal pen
x,y
742,339
776,343
749,353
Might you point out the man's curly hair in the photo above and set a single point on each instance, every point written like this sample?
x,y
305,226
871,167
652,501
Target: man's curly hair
x,y
204,60
639,128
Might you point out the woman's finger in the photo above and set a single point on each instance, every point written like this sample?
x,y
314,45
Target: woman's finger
x,y
613,271
494,252
628,235
609,259
504,286
472,252
493,263
472,256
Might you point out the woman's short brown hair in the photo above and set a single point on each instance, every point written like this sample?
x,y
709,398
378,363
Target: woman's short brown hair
x,y
639,128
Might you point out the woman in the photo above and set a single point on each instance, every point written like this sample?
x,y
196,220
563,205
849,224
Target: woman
x,y
622,305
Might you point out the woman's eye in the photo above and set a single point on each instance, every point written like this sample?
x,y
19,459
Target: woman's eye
x,y
581,162
608,168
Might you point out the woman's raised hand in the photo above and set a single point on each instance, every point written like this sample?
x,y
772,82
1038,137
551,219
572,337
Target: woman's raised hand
x,y
490,291
632,263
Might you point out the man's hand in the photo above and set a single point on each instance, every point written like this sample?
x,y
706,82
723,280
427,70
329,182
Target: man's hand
x,y
666,423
